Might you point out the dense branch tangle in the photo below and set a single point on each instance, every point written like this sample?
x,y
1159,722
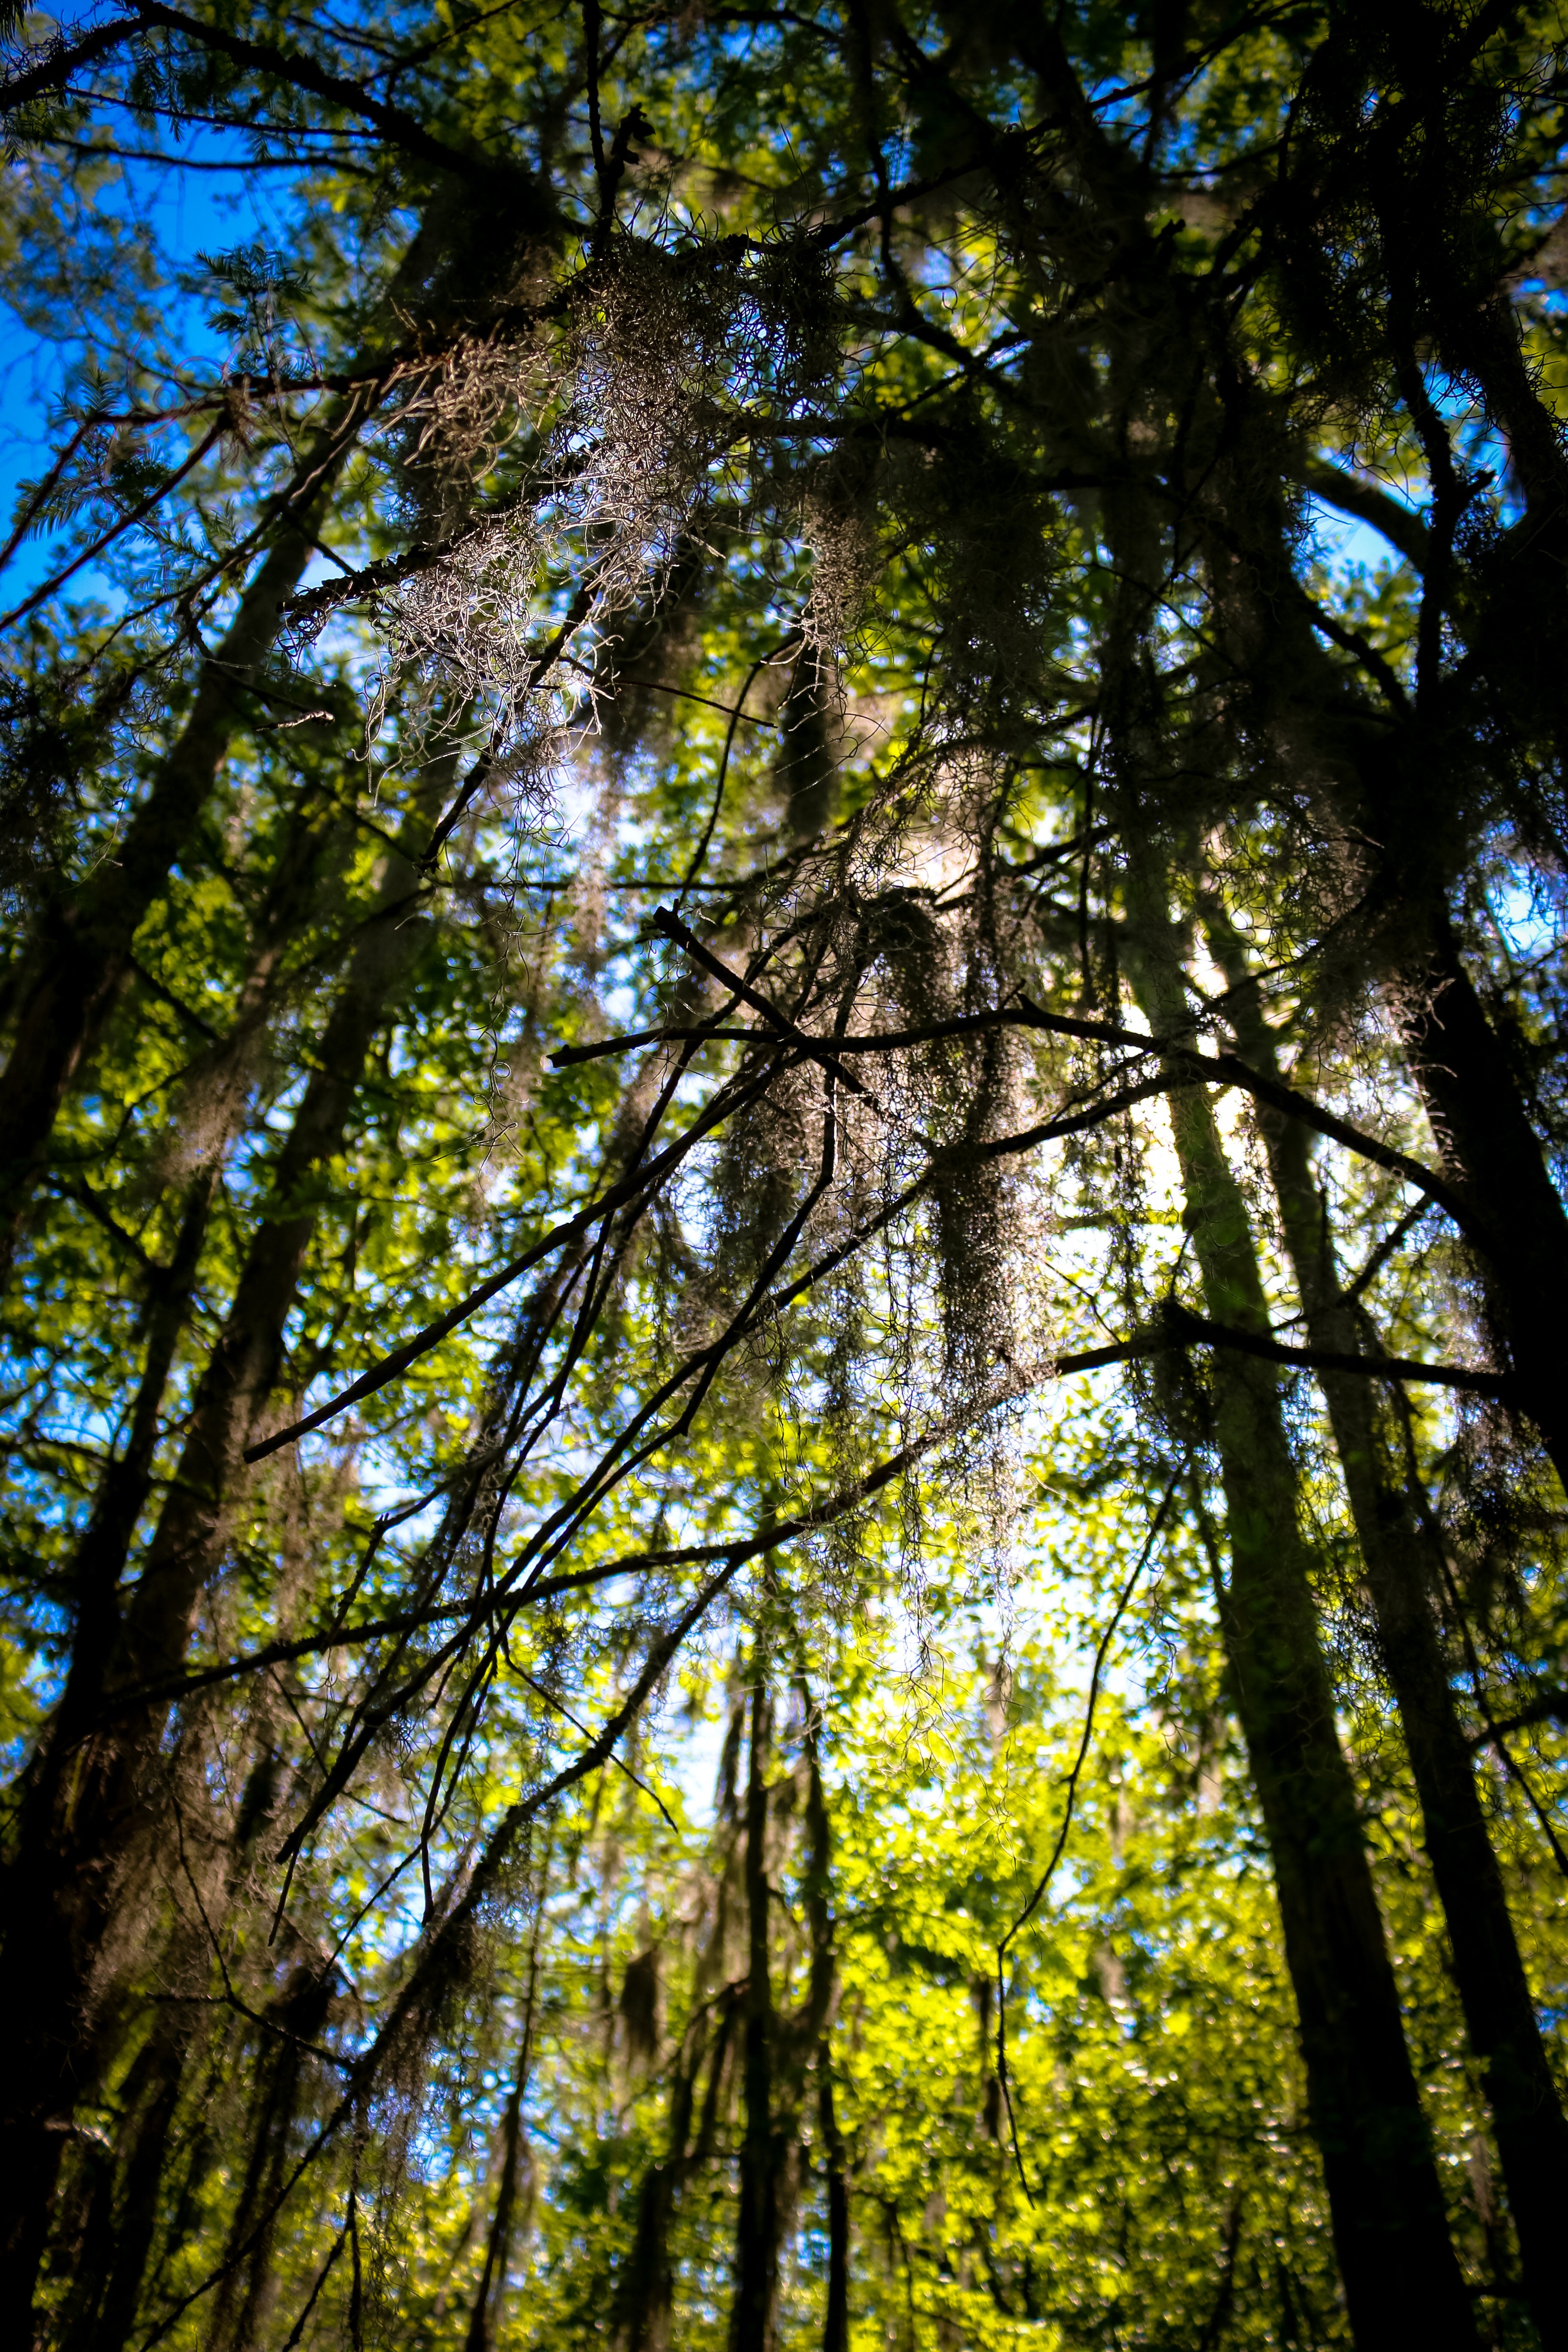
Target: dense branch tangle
x,y
1079,1152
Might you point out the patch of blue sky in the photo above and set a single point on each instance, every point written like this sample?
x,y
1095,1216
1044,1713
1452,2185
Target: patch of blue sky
x,y
691,1751
1529,920
1343,542
207,195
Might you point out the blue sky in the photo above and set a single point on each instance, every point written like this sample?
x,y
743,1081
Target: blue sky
x,y
188,211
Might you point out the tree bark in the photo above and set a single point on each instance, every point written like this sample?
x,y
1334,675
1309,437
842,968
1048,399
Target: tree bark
x,y
816,2023
92,1797
757,2221
498,2240
80,960
80,963
1473,1101
113,2269
1400,2277
645,2292
1403,1583
836,2311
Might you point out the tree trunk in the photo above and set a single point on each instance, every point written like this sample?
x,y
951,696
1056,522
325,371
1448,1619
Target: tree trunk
x,y
757,2223
1396,791
80,960
247,2287
1473,1101
106,2314
498,2240
835,2312
89,1804
1400,2277
644,2290
217,1087
1403,1583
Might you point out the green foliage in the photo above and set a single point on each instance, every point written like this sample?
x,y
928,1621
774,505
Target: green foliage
x,y
623,1663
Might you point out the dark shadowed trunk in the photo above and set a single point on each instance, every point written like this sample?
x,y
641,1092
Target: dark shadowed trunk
x,y
80,962
817,2024
247,2287
1473,1100
112,2261
93,1798
1403,1583
1400,2277
836,2311
490,2296
757,2218
644,2290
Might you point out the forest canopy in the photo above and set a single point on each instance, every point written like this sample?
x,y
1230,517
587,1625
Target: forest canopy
x,y
784,820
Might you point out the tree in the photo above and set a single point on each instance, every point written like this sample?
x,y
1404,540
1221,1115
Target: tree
x,y
729,924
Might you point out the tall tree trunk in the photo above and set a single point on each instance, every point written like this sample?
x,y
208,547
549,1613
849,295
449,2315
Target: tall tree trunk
x,y
644,2290
814,2027
245,2291
217,1090
244,1365
79,961
87,1805
1402,2279
108,2286
757,2221
498,2240
1484,1130
1403,1583
780,2048
835,2309
1399,789
644,2293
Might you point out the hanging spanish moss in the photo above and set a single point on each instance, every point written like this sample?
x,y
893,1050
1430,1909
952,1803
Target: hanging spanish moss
x,y
781,1166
